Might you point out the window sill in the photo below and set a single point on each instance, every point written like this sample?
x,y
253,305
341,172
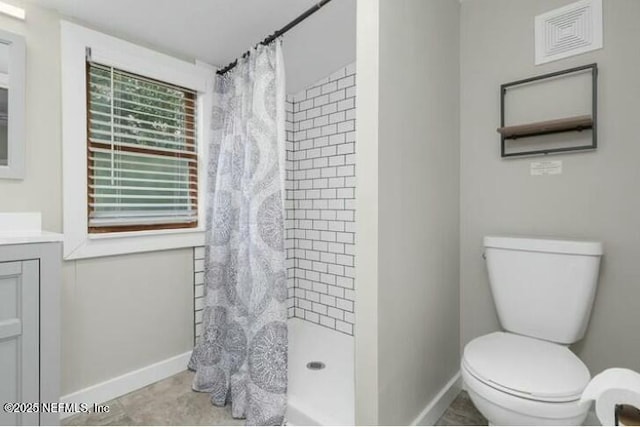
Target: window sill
x,y
102,245
142,233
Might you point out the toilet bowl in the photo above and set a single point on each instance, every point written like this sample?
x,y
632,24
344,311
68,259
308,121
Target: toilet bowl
x,y
543,291
517,380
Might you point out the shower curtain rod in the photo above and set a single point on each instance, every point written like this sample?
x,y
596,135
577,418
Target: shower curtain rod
x,y
278,33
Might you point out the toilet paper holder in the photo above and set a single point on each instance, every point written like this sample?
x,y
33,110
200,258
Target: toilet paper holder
x,y
628,415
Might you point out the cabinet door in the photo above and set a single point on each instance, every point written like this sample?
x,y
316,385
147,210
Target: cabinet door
x,y
19,337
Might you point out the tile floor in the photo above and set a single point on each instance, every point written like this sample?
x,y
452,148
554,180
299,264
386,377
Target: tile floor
x,y
461,412
167,402
172,402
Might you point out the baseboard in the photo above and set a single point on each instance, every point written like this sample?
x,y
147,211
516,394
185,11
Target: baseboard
x,y
434,410
128,382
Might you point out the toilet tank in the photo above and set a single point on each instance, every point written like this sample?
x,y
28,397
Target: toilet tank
x,y
543,288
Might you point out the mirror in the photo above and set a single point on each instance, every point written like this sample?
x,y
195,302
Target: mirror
x,y
4,104
12,105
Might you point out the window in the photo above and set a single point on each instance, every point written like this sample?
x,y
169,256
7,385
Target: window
x,y
141,153
133,132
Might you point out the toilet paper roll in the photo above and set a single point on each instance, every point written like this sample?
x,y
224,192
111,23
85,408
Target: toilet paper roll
x,y
613,387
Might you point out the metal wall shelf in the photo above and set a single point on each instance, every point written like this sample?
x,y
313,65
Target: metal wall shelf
x,y
548,127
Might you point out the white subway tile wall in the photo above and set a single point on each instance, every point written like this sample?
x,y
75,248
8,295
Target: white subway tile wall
x,y
320,205
321,201
198,290
290,210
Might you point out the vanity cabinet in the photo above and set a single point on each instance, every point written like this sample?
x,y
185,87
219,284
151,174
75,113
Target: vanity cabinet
x,y
19,364
29,326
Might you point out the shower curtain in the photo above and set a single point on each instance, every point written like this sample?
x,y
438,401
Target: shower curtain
x,y
241,355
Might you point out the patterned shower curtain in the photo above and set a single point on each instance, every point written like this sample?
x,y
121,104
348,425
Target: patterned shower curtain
x,y
241,355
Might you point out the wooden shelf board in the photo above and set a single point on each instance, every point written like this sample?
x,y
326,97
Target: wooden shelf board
x,y
577,123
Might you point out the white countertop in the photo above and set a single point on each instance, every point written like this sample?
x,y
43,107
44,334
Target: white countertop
x,y
17,228
23,237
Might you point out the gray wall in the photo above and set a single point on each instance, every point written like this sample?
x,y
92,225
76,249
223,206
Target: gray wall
x,y
123,313
418,204
119,314
41,189
366,327
596,196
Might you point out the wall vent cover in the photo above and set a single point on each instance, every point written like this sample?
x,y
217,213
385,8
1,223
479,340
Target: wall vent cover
x,y
568,31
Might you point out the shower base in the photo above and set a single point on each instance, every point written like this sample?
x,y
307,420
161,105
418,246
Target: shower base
x,y
320,395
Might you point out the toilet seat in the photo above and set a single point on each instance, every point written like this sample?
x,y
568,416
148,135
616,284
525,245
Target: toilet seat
x,y
526,367
502,408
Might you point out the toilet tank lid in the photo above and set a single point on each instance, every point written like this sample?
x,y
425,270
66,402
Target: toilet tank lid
x,y
549,245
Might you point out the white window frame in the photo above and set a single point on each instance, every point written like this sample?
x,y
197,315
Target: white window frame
x,y
108,50
15,81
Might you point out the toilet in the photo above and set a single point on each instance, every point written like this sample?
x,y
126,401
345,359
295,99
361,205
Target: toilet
x,y
543,291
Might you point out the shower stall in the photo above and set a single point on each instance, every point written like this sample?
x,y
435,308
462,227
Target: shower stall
x,y
320,243
321,233
276,340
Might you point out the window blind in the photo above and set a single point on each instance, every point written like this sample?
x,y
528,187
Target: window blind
x,y
141,148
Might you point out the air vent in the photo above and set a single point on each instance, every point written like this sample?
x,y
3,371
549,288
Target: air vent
x,y
568,31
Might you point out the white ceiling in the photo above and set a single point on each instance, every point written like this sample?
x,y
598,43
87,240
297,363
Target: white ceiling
x,y
217,31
